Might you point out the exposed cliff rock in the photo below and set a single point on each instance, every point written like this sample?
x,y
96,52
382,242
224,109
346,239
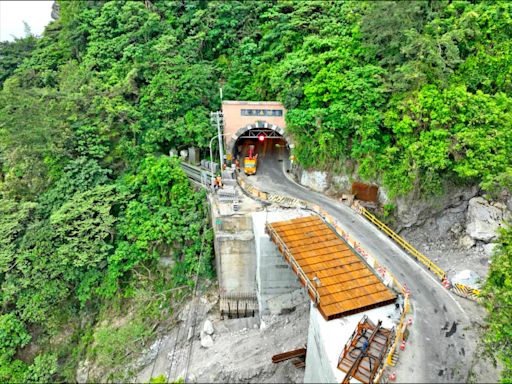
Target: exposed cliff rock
x,y
442,212
55,10
315,180
484,219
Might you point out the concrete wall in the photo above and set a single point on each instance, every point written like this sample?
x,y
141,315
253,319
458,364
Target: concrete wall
x,y
235,253
233,119
278,287
318,367
326,340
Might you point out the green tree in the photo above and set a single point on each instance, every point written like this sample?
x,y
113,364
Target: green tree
x,y
13,53
497,294
13,335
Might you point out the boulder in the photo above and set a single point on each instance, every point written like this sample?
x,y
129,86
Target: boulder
x,y
443,223
466,242
208,327
206,340
468,278
457,228
483,219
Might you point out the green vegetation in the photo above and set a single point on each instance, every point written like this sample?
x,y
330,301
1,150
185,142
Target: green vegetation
x,y
417,94
498,302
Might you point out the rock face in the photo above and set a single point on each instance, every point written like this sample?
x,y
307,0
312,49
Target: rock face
x,y
449,207
489,249
55,10
339,183
483,219
315,180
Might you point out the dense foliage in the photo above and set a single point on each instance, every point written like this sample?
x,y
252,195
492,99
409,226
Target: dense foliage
x,y
410,94
498,301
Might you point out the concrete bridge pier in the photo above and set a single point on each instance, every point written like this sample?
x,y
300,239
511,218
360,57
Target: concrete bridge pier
x,y
278,288
250,269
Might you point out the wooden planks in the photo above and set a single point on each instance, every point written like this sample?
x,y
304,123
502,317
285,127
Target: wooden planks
x,y
300,352
345,284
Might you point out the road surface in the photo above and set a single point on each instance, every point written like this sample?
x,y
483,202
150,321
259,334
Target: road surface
x,y
442,339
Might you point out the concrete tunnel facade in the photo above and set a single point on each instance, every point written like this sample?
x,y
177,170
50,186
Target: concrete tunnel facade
x,y
243,116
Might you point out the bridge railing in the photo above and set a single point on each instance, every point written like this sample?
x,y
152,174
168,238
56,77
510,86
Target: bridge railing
x,y
312,291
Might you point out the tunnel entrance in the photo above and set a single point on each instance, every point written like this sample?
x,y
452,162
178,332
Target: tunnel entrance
x,y
265,145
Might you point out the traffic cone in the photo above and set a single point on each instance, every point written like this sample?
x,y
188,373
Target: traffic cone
x,y
402,346
446,283
392,376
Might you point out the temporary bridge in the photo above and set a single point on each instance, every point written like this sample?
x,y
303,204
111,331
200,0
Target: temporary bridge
x,y
338,281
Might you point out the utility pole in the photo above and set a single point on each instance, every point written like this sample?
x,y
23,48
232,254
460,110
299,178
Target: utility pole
x,y
217,117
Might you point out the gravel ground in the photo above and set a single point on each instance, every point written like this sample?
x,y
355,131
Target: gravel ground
x,y
446,252
241,352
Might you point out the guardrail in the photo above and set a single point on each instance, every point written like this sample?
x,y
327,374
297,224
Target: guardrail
x,y
400,241
197,174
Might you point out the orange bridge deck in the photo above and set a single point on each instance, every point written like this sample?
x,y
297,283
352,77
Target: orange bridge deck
x,y
337,279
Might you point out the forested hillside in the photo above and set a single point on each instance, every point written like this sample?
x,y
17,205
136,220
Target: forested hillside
x,y
413,94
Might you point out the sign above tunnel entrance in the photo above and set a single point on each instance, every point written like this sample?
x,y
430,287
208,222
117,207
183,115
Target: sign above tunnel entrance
x,y
247,119
261,112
